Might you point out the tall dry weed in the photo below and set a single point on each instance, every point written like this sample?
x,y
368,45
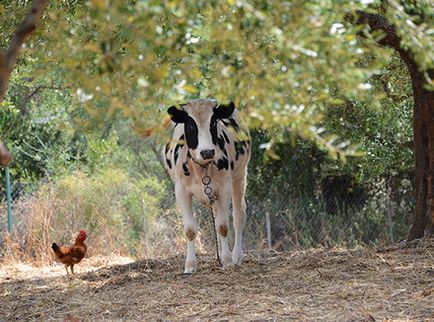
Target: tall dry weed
x,y
122,215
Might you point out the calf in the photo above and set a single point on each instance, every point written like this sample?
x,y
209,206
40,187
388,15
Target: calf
x,y
209,140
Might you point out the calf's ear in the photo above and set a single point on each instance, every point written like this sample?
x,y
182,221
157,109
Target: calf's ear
x,y
177,115
224,111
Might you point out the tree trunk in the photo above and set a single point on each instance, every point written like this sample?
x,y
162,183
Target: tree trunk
x,y
423,123
423,132
8,57
5,156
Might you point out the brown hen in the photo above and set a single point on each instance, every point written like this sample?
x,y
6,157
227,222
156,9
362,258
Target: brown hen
x,y
69,256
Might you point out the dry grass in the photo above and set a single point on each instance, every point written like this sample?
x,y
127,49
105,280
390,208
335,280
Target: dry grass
x,y
317,284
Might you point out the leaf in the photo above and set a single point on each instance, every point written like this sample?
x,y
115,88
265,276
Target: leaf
x,y
100,4
190,89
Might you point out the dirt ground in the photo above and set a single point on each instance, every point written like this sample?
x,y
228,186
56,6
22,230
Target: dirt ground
x,y
312,285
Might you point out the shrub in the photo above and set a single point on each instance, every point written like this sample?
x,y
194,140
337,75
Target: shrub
x,y
119,213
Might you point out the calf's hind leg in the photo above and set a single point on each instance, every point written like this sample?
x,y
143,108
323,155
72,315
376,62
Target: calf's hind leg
x,y
239,217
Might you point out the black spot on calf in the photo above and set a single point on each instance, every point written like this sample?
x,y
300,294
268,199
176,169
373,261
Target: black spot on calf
x,y
222,164
231,123
239,148
226,137
191,133
166,149
222,111
177,147
221,144
190,127
213,129
166,152
185,168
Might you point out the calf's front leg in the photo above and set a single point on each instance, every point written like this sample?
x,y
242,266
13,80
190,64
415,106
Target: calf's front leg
x,y
183,199
221,214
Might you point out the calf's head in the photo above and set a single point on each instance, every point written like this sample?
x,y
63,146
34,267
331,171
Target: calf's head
x,y
200,119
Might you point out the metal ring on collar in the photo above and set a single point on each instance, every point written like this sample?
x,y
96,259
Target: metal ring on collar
x,y
207,190
206,180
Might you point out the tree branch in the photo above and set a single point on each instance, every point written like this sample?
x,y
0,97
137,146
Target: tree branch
x,y
41,87
159,157
23,31
377,22
8,58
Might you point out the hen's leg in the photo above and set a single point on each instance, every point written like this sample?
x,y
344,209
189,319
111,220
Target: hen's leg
x,y
67,272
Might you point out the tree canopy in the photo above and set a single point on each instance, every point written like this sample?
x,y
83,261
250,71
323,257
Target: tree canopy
x,y
284,63
306,72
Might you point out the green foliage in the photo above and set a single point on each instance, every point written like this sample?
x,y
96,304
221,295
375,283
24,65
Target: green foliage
x,y
304,221
31,129
39,125
283,62
309,88
10,21
385,133
414,21
108,204
321,200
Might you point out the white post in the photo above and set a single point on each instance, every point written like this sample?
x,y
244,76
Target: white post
x,y
268,226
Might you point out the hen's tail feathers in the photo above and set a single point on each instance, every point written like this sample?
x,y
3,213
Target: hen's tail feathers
x,y
56,249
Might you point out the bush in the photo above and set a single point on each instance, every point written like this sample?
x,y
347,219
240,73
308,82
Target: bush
x,y
118,211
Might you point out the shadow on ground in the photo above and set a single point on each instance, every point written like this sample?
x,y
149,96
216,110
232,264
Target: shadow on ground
x,y
316,284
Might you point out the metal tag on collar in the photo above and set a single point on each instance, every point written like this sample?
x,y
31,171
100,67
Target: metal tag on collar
x,y
208,191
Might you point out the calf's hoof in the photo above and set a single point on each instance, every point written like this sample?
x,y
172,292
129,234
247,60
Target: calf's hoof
x,y
190,267
237,257
227,260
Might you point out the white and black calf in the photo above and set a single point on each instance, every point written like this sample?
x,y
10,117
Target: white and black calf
x,y
209,137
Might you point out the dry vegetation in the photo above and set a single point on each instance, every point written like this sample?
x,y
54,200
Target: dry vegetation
x,y
317,284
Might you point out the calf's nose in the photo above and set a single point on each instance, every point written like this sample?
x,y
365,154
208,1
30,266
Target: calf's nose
x,y
207,154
